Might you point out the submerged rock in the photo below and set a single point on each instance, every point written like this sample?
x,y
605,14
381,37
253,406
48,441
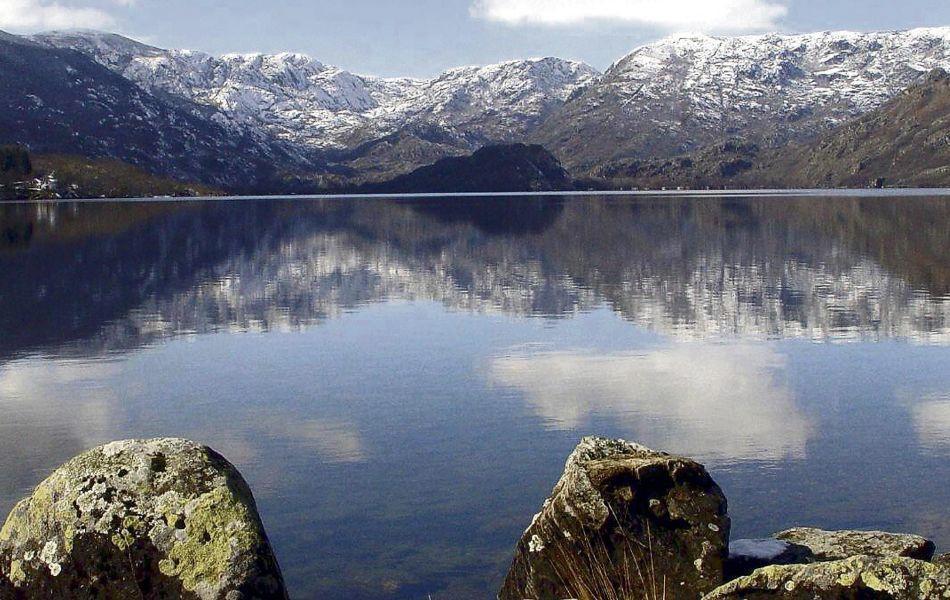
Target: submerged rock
x,y
858,577
164,518
624,521
838,545
745,556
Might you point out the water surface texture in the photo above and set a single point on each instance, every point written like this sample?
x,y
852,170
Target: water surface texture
x,y
401,381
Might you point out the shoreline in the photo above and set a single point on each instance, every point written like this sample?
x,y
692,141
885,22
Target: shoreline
x,y
764,193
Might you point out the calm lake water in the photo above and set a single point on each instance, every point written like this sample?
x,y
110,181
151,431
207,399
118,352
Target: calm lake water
x,y
401,381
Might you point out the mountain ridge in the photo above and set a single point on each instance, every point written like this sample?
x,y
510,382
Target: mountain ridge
x,y
300,99
58,101
684,92
332,129
905,142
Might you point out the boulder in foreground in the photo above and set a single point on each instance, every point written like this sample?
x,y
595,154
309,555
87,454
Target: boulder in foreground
x,y
624,521
839,545
859,577
164,518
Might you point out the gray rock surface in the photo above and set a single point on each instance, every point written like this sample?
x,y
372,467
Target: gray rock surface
x,y
624,521
745,556
859,577
839,545
163,518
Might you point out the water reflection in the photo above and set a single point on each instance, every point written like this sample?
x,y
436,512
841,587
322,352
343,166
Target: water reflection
x,y
722,402
36,425
932,420
814,268
407,376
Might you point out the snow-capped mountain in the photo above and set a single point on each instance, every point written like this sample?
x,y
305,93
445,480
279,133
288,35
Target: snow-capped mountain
x,y
664,99
55,101
300,100
683,92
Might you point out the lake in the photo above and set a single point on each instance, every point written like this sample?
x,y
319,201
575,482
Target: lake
x,y
401,380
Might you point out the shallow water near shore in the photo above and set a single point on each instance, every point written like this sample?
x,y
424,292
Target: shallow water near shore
x,y
401,380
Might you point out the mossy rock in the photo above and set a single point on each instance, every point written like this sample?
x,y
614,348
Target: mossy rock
x,y
839,545
857,578
162,518
624,521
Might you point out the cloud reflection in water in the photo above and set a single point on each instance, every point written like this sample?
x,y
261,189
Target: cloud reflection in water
x,y
722,402
932,421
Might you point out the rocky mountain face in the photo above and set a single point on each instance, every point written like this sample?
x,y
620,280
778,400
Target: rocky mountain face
x,y
906,142
321,127
59,101
716,166
350,119
684,93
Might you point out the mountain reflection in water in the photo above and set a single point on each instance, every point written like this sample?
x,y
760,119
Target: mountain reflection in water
x,y
401,380
758,268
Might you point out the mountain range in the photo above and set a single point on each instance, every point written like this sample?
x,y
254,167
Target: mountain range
x,y
905,142
287,122
684,93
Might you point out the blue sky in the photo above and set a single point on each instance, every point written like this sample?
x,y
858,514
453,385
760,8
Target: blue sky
x,y
423,37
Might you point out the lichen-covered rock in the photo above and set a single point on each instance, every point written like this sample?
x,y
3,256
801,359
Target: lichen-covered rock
x,y
163,518
624,521
859,577
745,556
943,560
838,545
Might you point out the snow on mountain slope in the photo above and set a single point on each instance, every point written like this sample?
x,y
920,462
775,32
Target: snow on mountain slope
x,y
683,92
665,98
858,71
56,101
298,99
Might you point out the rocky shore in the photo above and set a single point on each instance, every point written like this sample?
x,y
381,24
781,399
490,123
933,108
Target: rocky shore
x,y
626,522
169,518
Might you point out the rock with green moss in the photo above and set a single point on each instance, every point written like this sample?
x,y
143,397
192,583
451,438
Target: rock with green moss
x,y
892,578
163,518
838,545
624,521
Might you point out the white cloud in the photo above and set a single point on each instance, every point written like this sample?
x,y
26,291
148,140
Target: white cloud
x,y
693,15
719,402
36,15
